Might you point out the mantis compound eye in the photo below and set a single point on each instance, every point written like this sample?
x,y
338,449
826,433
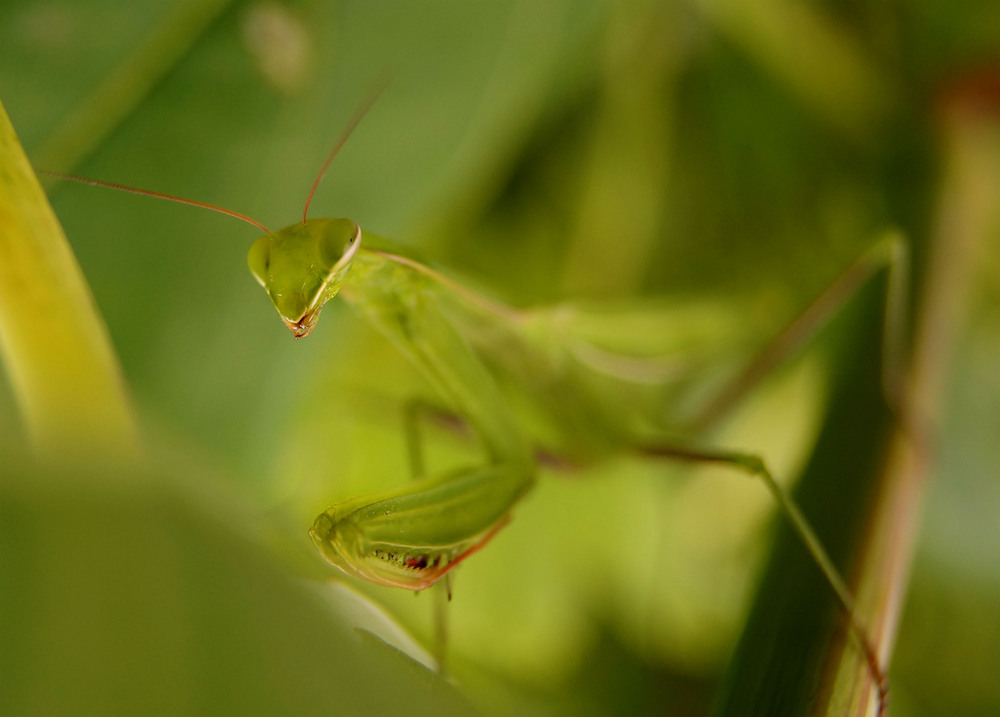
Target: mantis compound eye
x,y
337,243
259,258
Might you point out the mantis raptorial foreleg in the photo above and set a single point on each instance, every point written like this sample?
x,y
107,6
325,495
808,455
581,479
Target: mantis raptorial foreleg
x,y
412,537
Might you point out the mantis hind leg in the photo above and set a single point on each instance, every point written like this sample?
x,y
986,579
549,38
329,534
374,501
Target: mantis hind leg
x,y
801,527
888,253
841,491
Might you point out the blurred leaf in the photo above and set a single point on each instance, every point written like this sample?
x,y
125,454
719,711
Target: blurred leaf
x,y
124,595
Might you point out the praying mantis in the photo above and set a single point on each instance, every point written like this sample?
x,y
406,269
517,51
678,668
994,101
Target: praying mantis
x,y
469,347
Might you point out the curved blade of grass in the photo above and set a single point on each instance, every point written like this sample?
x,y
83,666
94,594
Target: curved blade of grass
x,y
965,220
53,342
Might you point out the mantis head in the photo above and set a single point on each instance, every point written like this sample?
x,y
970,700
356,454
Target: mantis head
x,y
303,266
300,267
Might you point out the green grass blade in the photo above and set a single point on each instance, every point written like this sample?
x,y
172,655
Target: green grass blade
x,y
54,344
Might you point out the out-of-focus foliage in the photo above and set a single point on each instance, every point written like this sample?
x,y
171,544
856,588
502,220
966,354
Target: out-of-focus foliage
x,y
123,594
696,150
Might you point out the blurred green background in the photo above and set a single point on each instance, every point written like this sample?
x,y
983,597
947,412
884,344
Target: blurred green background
x,y
730,157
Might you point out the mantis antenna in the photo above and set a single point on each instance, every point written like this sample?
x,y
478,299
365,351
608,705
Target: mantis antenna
x,y
158,195
359,114
351,125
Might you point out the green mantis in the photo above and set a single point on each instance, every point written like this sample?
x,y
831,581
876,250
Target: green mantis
x,y
470,348
413,536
